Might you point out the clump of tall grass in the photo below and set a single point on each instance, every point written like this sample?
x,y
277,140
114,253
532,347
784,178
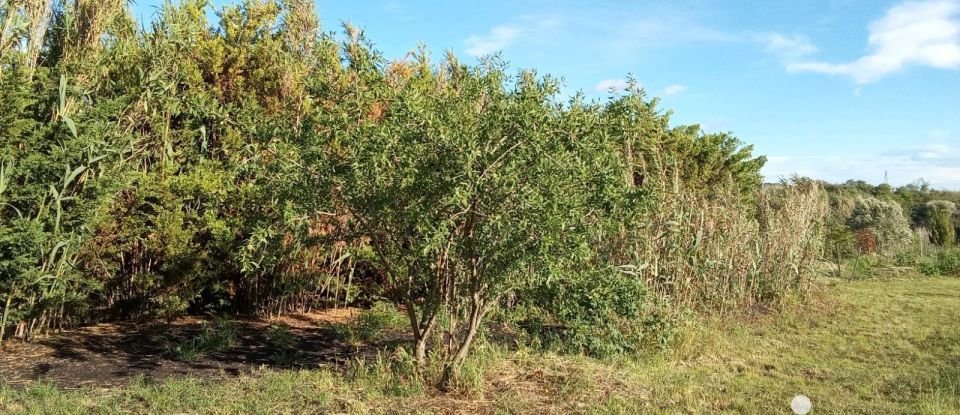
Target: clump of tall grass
x,y
721,253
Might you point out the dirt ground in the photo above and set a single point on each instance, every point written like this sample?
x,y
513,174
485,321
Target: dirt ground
x,y
111,354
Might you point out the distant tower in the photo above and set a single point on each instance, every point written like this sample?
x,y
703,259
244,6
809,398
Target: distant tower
x,y
886,179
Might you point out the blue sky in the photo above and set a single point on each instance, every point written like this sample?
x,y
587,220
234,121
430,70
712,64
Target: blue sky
x,y
832,89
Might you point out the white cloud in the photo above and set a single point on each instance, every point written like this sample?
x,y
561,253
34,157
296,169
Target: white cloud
x,y
608,84
934,152
788,48
674,89
913,33
663,29
528,29
938,133
938,164
498,39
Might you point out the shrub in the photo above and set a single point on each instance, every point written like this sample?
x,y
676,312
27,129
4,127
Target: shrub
x,y
468,190
603,313
945,262
884,220
938,217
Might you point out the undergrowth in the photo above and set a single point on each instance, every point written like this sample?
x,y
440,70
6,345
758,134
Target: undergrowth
x,y
216,337
873,346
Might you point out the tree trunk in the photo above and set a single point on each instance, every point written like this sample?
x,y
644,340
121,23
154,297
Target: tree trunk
x,y
420,351
452,368
421,332
6,314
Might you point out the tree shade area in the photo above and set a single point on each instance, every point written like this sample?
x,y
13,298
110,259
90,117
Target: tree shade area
x,y
258,165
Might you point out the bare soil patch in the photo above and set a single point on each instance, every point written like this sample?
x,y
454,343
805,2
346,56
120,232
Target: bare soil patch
x,y
111,354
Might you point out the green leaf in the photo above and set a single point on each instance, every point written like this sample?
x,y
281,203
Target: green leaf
x,y
73,127
63,94
3,176
72,175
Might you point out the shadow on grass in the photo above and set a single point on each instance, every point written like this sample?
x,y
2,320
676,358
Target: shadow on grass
x,y
112,355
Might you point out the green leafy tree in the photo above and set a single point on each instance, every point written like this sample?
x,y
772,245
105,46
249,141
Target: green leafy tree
x,y
938,217
469,190
679,158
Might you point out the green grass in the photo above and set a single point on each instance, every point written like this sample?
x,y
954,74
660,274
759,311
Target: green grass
x,y
370,324
873,347
880,346
216,338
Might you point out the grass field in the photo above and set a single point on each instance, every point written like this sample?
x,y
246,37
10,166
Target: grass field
x,y
865,347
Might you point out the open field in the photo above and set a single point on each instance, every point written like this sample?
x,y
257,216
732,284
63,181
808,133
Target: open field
x,y
870,347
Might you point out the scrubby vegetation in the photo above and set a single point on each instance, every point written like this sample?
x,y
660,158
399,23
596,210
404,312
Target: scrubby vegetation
x,y
911,227
257,165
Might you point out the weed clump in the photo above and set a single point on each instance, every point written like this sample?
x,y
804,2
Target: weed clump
x,y
370,324
213,338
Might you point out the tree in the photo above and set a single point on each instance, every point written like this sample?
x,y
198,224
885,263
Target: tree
x,y
671,158
938,217
468,190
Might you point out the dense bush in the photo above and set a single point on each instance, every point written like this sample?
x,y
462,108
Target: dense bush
x,y
148,164
944,262
259,165
884,221
606,314
938,217
475,189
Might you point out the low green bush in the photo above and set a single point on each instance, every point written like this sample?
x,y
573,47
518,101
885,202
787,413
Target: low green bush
x,y
602,314
945,262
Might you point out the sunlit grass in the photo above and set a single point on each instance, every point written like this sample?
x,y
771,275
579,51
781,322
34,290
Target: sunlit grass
x,y
868,347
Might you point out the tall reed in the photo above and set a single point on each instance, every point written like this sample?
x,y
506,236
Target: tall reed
x,y
720,253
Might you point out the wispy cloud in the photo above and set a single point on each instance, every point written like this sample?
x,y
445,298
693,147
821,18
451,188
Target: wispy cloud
x,y
674,89
599,35
913,33
938,164
628,33
397,10
528,29
497,39
938,133
611,84
789,48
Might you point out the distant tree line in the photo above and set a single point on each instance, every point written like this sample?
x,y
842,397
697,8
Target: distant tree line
x,y
888,212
